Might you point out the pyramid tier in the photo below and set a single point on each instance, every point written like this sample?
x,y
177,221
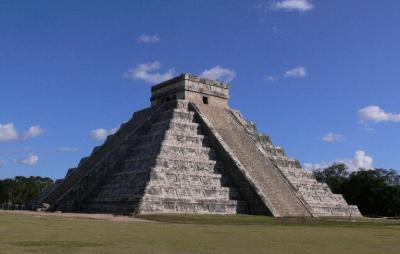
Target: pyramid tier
x,y
170,167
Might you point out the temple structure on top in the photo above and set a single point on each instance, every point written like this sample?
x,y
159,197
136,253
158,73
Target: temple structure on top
x,y
190,153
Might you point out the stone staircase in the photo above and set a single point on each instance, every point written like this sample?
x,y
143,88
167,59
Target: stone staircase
x,y
259,179
169,168
318,197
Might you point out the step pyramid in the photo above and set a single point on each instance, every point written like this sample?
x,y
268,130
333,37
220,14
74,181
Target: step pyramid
x,y
190,153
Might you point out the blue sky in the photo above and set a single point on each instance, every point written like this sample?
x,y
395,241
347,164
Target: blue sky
x,y
321,77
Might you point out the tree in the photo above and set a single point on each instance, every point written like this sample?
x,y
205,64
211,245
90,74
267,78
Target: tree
x,y
334,176
22,190
375,192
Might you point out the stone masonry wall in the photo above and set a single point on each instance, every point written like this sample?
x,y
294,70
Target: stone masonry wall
x,y
167,166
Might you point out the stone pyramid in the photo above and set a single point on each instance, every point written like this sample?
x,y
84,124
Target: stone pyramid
x,y
190,153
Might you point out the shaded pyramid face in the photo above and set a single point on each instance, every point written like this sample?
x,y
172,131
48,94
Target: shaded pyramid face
x,y
190,153
169,168
165,166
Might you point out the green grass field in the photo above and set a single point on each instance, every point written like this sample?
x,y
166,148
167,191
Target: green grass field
x,y
196,234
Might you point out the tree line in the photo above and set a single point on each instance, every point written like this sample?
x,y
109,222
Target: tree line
x,y
17,193
376,192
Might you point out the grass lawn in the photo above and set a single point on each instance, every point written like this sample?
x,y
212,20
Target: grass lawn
x,y
21,233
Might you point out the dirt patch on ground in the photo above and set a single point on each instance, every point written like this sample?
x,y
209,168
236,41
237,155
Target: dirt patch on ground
x,y
110,217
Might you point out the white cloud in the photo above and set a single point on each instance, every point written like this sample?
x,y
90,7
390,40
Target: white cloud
x,y
148,73
8,133
32,132
101,134
144,38
30,160
297,72
270,79
359,160
67,149
219,73
331,137
376,114
316,166
292,5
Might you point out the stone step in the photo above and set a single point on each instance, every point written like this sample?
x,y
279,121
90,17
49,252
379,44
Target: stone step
x,y
297,174
338,211
330,205
189,127
178,113
176,164
190,200
121,186
332,212
142,155
186,184
196,179
199,207
325,201
179,180
298,171
314,192
304,187
168,206
260,138
182,104
152,150
127,183
317,199
273,150
165,192
316,187
193,175
322,197
201,152
196,163
190,148
303,181
283,161
188,193
179,131
175,156
172,138
177,104
161,173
